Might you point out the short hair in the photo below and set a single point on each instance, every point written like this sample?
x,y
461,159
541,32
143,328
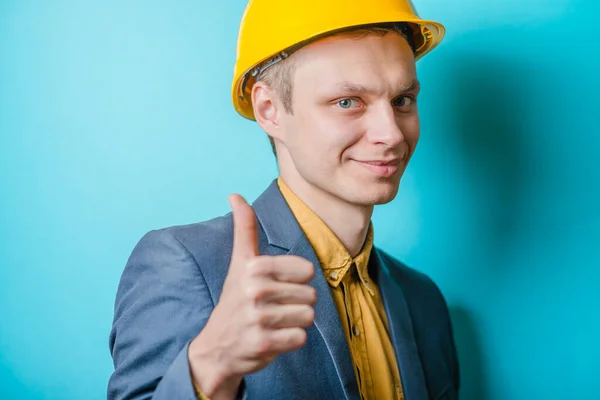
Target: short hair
x,y
279,75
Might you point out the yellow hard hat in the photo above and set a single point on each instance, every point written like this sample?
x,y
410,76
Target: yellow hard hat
x,y
271,28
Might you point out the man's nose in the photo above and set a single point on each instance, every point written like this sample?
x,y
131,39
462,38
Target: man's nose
x,y
384,127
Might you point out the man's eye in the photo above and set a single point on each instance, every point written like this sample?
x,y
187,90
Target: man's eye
x,y
346,103
403,101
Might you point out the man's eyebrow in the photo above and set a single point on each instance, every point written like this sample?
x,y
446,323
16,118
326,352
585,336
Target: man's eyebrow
x,y
413,85
349,88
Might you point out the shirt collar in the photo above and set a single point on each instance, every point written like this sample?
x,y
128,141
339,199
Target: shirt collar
x,y
331,253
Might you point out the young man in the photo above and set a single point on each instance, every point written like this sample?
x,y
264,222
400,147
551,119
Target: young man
x,y
288,298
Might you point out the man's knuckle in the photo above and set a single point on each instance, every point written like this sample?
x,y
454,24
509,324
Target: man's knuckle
x,y
309,268
258,267
254,267
253,291
263,346
312,295
297,338
264,318
255,317
309,314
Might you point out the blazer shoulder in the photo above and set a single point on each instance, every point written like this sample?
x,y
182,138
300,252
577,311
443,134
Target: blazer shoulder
x,y
208,242
403,271
414,283
204,233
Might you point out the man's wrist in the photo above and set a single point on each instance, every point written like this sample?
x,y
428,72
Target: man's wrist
x,y
217,389
210,379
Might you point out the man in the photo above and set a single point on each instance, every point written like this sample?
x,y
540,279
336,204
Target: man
x,y
288,298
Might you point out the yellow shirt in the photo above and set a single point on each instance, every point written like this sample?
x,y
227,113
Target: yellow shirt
x,y
358,303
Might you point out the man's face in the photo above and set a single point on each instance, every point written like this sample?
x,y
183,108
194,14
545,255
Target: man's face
x,y
355,123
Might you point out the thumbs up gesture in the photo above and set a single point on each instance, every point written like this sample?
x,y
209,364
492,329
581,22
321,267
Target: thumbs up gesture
x,y
264,309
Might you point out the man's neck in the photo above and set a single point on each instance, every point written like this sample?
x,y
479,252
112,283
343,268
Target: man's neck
x,y
349,222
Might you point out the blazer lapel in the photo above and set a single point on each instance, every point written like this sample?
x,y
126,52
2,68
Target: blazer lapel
x,y
282,230
328,323
401,331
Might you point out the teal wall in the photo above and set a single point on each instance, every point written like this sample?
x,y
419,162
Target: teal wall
x,y
115,118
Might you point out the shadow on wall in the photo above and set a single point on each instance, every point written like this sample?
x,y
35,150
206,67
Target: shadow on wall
x,y
489,124
492,126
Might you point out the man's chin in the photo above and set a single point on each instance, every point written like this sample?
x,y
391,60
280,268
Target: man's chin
x,y
377,194
383,200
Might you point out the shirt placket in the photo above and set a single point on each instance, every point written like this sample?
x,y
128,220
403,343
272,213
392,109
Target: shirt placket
x,y
357,332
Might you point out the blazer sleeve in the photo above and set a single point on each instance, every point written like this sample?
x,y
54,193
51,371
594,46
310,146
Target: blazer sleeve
x,y
162,303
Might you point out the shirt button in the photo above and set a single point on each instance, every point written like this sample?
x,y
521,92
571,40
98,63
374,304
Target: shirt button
x,y
333,276
355,330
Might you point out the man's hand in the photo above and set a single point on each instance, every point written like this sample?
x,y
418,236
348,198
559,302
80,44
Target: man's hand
x,y
263,311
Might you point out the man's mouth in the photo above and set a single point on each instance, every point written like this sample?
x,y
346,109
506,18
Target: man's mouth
x,y
384,168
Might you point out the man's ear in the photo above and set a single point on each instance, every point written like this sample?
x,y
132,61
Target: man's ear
x,y
266,108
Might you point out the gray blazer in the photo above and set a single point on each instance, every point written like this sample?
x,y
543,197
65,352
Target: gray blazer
x,y
174,278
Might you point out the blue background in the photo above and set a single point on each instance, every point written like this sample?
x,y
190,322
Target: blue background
x,y
115,118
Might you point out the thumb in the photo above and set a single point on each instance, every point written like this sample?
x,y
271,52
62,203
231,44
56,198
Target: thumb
x,y
245,233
